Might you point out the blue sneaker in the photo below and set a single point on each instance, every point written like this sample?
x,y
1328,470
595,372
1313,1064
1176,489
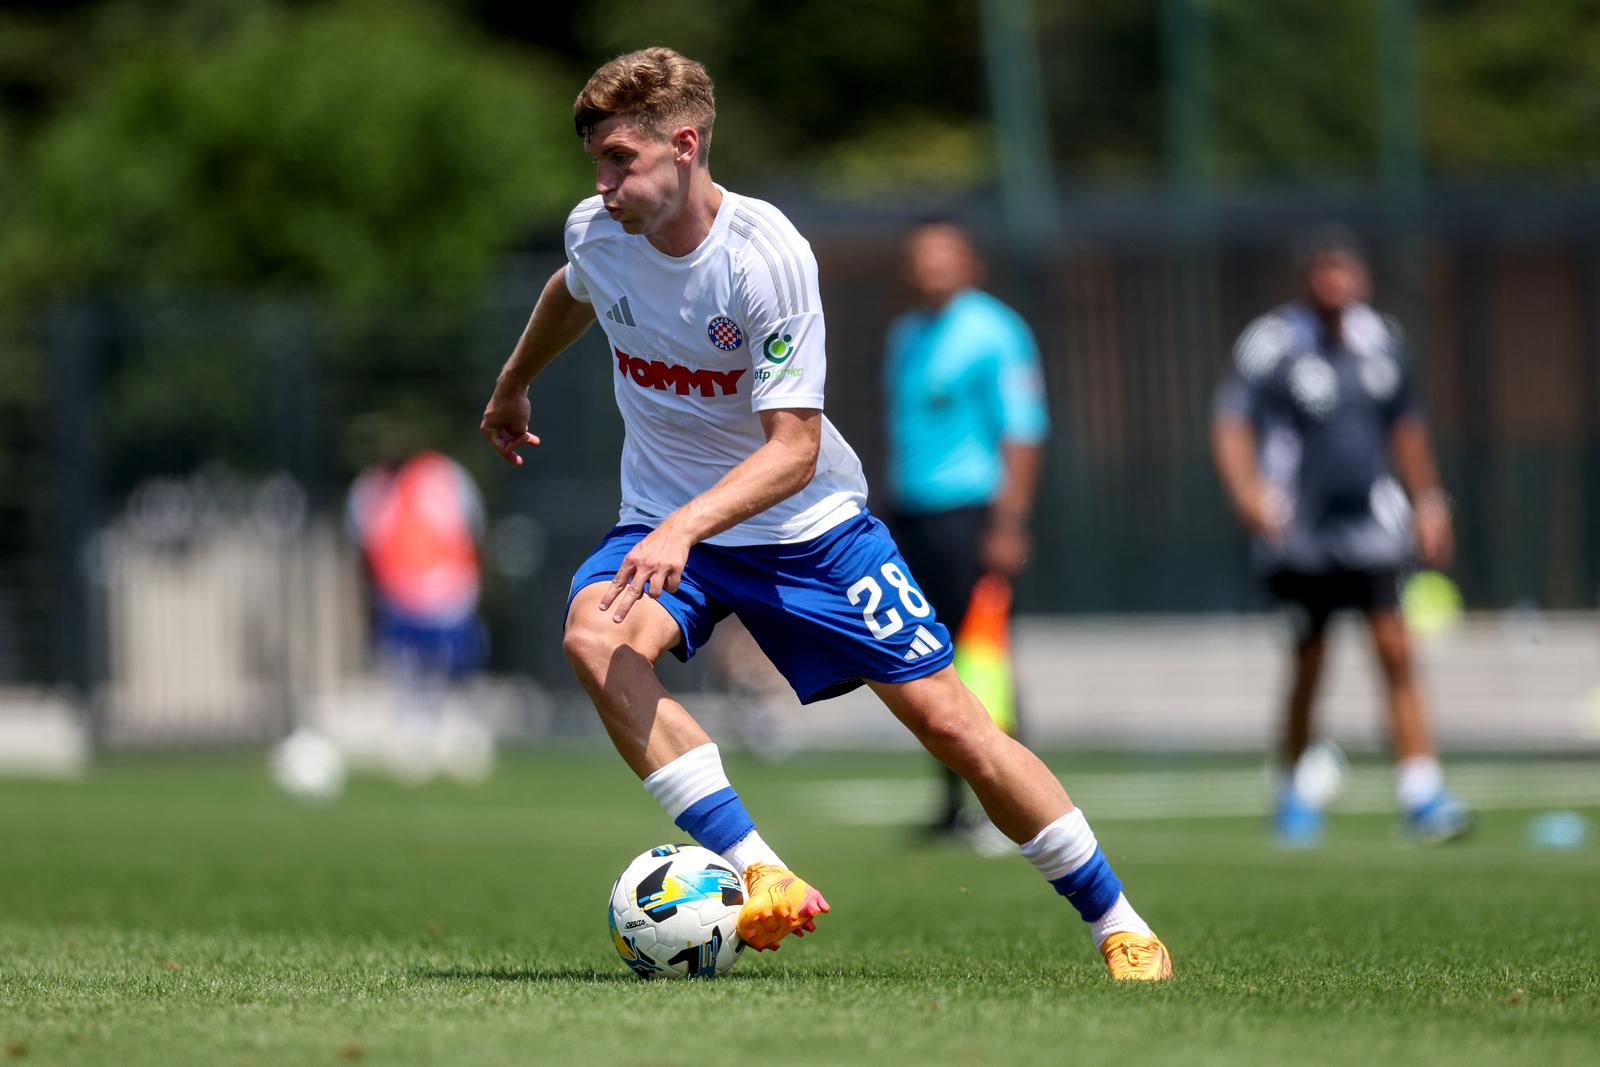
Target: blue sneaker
x,y
1443,818
1296,823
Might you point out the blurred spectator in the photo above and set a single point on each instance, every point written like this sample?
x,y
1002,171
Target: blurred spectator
x,y
966,425
418,523
1323,452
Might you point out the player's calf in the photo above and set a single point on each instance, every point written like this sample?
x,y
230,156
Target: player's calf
x,y
696,793
1020,793
1068,855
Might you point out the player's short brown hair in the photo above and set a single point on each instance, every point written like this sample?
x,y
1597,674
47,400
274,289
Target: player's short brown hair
x,y
656,88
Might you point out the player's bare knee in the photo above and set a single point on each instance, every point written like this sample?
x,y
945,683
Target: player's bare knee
x,y
588,646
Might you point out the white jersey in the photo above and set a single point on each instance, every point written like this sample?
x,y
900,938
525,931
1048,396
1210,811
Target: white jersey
x,y
701,343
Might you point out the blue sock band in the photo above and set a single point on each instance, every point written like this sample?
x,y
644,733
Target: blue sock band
x,y
719,821
1092,888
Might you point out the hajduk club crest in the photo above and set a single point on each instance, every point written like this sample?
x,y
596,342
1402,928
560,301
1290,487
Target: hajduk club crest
x,y
725,333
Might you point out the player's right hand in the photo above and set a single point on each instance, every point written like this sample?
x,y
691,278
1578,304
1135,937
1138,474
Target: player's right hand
x,y
505,425
1268,512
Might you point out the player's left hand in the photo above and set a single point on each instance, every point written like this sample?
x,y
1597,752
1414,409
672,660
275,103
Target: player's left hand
x,y
652,567
1005,548
1435,539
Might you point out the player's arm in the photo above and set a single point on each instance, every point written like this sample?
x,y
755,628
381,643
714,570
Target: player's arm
x,y
1018,395
1414,464
1006,541
780,468
1255,500
557,321
1233,450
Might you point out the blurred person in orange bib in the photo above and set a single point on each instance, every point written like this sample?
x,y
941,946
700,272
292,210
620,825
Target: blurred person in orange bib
x,y
418,523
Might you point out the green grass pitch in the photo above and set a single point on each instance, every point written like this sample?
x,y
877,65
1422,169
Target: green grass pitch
x,y
180,911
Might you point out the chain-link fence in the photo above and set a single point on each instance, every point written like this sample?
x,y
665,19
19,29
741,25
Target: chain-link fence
x,y
173,471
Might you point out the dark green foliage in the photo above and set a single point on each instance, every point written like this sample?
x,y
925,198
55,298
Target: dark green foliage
x,y
354,150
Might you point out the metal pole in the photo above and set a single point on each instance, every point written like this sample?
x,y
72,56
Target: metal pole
x,y
1185,27
1021,124
1400,173
75,335
1185,44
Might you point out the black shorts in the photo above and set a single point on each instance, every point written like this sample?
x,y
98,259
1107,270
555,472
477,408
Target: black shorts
x,y
1313,597
944,550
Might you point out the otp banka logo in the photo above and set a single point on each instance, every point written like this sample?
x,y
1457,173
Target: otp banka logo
x,y
779,349
655,374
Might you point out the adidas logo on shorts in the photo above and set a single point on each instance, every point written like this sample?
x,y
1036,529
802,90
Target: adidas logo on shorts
x,y
923,643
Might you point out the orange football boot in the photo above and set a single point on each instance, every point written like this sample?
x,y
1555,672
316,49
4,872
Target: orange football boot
x,y
776,904
1137,957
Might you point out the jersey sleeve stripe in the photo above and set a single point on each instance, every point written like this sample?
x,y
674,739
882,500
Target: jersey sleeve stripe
x,y
782,280
796,287
787,238
778,229
1261,347
779,290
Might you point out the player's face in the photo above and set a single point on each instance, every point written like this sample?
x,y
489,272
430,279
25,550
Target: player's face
x,y
637,174
940,262
1335,280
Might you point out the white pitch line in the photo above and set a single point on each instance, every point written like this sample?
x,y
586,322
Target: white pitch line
x,y
1208,794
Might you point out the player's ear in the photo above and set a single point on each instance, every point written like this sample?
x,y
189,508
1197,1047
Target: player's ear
x,y
685,142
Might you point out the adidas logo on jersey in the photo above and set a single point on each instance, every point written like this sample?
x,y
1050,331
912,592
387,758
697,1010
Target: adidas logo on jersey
x,y
923,643
619,313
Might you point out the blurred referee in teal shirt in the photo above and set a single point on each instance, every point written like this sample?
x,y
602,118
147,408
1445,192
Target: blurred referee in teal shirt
x,y
966,429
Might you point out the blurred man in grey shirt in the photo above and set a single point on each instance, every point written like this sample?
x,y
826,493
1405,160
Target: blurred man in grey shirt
x,y
1324,455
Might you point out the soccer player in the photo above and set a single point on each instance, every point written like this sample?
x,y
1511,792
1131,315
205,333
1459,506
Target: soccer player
x,y
739,497
1324,455
966,427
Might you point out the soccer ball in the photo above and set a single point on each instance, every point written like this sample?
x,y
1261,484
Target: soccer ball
x,y
675,912
308,766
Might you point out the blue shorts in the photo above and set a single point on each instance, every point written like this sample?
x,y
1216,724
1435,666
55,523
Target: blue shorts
x,y
455,648
830,613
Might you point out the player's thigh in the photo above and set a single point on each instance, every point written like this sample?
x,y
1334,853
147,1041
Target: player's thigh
x,y
938,708
649,629
590,632
1307,601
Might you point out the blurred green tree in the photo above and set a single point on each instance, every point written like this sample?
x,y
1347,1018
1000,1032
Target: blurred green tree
x,y
1291,88
1512,88
877,99
355,149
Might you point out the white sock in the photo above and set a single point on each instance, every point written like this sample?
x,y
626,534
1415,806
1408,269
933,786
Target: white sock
x,y
1063,847
692,777
1417,780
1120,919
751,849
